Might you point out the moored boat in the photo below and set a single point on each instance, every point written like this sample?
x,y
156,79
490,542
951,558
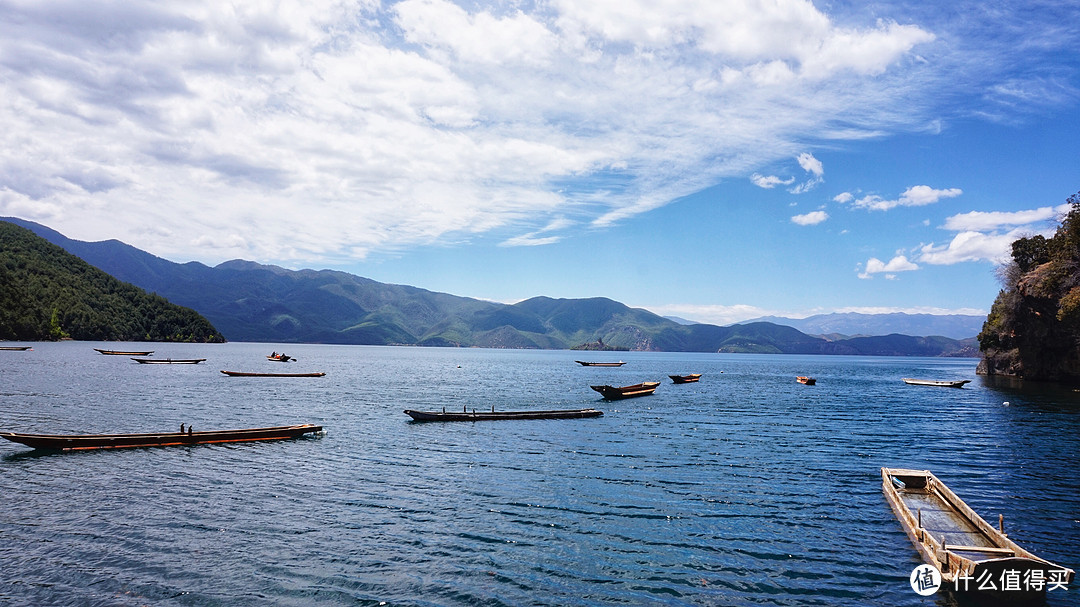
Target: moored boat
x,y
16,348
970,553
249,374
585,363
168,361
803,379
124,353
941,383
685,379
474,416
616,393
80,442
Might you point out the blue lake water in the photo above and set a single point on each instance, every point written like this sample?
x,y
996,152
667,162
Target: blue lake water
x,y
746,488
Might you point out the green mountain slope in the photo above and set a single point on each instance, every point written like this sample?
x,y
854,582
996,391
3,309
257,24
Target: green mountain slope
x,y
47,293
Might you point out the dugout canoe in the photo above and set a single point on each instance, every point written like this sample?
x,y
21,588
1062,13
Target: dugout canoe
x,y
585,363
80,442
941,383
124,353
685,379
168,361
966,549
250,374
16,348
475,416
617,393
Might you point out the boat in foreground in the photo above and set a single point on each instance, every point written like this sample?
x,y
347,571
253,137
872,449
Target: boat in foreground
x,y
616,393
475,416
685,379
249,374
585,363
967,550
168,361
124,353
802,379
941,383
80,442
16,348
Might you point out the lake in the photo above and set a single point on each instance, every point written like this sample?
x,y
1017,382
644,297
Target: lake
x,y
745,488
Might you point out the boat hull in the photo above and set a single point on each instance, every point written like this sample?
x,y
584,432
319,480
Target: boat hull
x,y
936,382
619,393
124,352
82,442
476,416
949,535
168,361
248,374
685,379
585,363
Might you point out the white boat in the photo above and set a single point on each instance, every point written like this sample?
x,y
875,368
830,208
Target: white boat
x,y
940,383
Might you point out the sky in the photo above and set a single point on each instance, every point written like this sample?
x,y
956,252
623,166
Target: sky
x,y
716,160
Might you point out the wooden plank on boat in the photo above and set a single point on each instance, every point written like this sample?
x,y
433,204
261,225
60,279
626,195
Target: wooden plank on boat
x,y
251,374
80,442
474,416
617,393
169,361
934,519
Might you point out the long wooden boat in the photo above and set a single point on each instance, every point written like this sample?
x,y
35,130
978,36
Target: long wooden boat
x,y
16,348
616,393
124,353
585,363
248,374
79,442
475,416
685,379
949,535
941,383
802,379
168,361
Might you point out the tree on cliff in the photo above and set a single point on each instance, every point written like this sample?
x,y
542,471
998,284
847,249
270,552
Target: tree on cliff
x,y
1033,329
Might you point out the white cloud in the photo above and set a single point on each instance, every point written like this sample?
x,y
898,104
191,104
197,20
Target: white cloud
x,y
971,246
899,263
811,164
843,197
770,181
982,221
711,314
915,196
809,219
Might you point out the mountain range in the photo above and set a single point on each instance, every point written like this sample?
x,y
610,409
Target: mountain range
x,y
247,301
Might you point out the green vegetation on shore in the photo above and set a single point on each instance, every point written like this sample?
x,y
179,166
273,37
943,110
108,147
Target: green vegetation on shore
x,y
48,294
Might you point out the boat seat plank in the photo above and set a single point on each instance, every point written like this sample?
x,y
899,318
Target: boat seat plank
x,y
983,549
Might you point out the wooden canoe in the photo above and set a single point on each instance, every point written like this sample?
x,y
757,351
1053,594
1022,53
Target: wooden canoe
x,y
16,348
685,379
802,379
79,442
585,363
249,374
616,393
124,353
941,383
475,416
949,535
168,361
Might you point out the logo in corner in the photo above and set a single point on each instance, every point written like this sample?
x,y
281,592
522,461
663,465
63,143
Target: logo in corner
x,y
925,580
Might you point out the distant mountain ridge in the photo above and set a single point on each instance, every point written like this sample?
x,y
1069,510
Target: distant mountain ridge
x,y
853,324
248,301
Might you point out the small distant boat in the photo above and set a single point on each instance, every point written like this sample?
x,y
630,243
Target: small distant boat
x,y
79,442
16,348
280,358
802,379
124,353
685,379
949,535
585,363
247,374
941,383
475,416
168,361
614,393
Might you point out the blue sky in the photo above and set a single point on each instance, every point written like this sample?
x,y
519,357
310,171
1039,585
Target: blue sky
x,y
713,160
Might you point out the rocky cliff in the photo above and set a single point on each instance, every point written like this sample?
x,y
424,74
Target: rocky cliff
x,y
1033,329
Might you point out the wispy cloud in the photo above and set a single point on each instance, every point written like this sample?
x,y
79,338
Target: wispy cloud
x,y
915,196
304,130
983,221
770,181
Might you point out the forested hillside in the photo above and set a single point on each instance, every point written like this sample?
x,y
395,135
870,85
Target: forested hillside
x,y
48,294
1033,330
